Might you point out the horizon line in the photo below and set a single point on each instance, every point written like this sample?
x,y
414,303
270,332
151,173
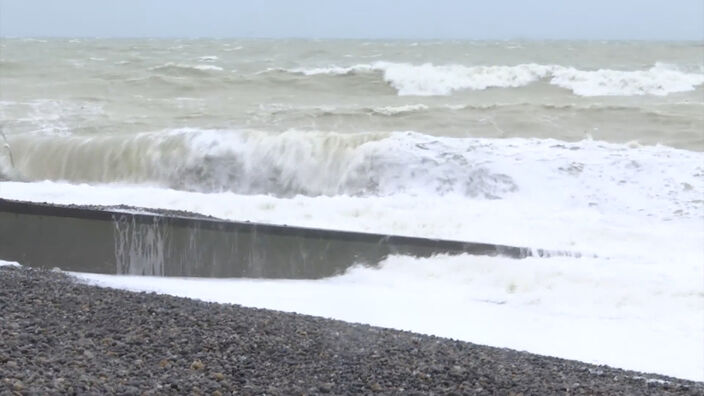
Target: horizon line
x,y
302,38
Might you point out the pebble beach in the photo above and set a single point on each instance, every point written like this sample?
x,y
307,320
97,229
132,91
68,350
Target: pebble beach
x,y
60,336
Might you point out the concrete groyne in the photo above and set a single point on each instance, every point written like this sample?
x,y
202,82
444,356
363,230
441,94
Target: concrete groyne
x,y
120,240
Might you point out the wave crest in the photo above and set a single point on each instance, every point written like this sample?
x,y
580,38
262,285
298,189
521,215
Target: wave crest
x,y
253,162
583,174
188,70
430,80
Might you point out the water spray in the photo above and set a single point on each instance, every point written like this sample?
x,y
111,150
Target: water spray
x,y
8,148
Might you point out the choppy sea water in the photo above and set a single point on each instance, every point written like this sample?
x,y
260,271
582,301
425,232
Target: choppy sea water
x,y
583,146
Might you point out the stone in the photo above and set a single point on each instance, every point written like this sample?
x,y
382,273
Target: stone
x,y
326,387
197,365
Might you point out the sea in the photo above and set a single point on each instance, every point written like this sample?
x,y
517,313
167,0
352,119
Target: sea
x,y
583,146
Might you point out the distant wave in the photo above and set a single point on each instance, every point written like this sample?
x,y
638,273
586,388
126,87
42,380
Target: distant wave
x,y
354,110
178,68
428,79
658,80
395,110
449,110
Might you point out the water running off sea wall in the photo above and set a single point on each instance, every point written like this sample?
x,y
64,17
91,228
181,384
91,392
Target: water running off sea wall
x,y
136,243
139,248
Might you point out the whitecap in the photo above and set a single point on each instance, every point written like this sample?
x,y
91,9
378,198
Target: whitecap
x,y
660,80
208,67
394,110
435,80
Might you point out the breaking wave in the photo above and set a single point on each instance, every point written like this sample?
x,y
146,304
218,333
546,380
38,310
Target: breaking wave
x,y
428,79
373,164
253,162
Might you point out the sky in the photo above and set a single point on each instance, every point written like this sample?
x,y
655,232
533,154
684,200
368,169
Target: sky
x,y
405,19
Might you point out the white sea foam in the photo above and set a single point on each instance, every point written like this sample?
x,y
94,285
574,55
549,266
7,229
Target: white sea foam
x,y
208,58
428,79
632,314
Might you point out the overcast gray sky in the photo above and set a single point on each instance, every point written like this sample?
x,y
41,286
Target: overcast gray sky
x,y
415,19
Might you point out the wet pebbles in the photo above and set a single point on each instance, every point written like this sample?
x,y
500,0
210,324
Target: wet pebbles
x,y
58,336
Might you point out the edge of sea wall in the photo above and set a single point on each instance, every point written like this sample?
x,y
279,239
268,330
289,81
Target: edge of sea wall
x,y
127,240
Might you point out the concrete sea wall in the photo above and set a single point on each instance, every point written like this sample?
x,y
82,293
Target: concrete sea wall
x,y
162,243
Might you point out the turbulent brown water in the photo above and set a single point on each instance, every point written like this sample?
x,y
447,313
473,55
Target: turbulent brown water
x,y
130,110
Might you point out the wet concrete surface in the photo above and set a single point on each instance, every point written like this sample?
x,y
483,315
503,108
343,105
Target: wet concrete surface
x,y
126,240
